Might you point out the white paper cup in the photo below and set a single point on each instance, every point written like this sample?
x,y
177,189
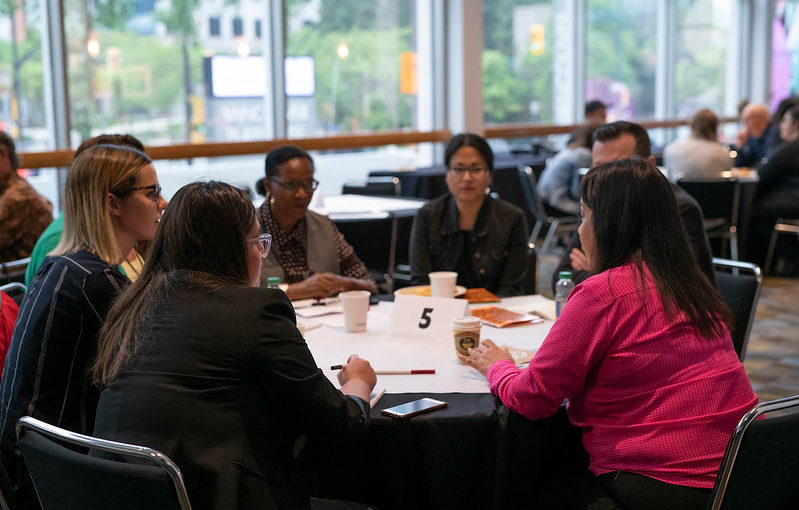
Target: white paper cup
x,y
442,283
356,305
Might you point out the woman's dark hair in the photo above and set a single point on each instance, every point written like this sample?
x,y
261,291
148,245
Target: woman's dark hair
x,y
794,113
201,243
469,140
783,106
635,219
277,157
704,125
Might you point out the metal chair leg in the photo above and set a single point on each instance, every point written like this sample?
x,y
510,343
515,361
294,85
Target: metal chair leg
x,y
770,254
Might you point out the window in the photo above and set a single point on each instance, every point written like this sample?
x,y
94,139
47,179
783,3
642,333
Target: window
x,y
364,74
238,27
517,60
258,29
214,28
702,29
620,57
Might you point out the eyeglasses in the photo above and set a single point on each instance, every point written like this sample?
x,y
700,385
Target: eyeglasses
x,y
263,242
293,185
155,194
475,170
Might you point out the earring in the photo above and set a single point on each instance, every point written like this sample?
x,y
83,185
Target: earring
x,y
270,198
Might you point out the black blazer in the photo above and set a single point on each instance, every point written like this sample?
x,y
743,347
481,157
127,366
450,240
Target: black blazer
x,y
226,388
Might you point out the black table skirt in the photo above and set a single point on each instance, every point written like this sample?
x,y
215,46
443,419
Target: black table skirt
x,y
472,454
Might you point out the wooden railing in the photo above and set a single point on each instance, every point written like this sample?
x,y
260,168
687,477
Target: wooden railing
x,y
62,158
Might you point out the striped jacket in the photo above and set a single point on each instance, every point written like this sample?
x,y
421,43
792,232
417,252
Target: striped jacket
x,y
55,338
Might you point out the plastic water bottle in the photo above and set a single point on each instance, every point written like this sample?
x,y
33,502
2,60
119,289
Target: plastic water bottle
x,y
563,288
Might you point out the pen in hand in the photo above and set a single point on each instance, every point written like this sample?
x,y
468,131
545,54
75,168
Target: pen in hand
x,y
395,372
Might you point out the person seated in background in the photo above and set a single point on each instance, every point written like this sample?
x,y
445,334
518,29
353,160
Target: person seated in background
x,y
309,254
201,363
133,262
773,136
620,140
596,112
642,351
24,214
778,188
111,200
701,155
481,238
559,183
752,140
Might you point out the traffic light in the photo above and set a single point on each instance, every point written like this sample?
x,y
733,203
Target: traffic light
x,y
537,41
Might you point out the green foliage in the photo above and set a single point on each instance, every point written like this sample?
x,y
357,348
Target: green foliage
x,y
112,14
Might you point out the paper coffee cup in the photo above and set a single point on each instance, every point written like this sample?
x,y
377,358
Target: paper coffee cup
x,y
466,333
442,283
355,304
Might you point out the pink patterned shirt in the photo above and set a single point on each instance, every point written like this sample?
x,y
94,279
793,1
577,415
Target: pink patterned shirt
x,y
652,396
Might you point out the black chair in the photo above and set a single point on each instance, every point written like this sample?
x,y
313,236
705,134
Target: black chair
x,y
530,279
760,467
16,290
739,284
555,224
381,186
783,226
14,270
720,201
374,239
67,479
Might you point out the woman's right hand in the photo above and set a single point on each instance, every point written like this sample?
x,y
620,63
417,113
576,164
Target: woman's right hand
x,y
357,377
318,286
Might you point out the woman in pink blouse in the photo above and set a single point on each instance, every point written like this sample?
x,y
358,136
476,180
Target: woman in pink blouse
x,y
642,351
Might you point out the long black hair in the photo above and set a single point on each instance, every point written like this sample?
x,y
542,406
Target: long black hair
x,y
636,219
200,244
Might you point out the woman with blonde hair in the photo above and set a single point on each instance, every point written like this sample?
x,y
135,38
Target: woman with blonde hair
x,y
112,200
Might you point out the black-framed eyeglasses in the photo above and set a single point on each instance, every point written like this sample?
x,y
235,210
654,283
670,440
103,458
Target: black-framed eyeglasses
x,y
293,185
263,242
155,192
474,170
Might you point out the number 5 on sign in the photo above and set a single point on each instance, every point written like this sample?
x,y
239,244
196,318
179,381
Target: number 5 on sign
x,y
419,316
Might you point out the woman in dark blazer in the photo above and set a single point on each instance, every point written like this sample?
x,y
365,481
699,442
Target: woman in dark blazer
x,y
483,239
200,363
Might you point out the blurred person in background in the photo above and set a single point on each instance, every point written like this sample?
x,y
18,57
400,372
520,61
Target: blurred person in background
x,y
596,112
701,155
752,139
559,184
24,214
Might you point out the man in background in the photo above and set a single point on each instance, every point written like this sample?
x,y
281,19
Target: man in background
x,y
621,140
752,140
596,112
24,214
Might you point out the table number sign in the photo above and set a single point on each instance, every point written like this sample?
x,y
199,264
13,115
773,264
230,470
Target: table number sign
x,y
427,317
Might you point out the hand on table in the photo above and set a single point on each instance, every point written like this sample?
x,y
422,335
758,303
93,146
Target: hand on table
x,y
318,286
485,355
579,260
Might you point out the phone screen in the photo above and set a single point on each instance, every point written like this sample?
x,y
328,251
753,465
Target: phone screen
x,y
413,408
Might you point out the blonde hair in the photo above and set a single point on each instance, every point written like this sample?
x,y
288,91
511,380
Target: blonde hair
x,y
97,171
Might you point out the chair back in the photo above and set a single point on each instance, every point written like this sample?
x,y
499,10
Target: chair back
x,y
380,186
739,284
718,198
15,291
529,283
374,239
760,466
508,183
67,479
14,270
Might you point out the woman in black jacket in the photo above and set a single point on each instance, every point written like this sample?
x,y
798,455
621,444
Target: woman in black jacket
x,y
202,364
483,239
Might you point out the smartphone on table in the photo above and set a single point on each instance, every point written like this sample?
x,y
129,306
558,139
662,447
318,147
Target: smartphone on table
x,y
413,408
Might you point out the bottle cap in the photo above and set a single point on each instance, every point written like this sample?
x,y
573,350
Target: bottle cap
x,y
273,281
565,275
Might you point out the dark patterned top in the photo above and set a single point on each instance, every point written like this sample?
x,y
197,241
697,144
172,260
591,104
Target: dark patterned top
x,y
293,246
24,214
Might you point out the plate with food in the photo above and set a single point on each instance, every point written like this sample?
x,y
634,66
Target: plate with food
x,y
500,317
426,290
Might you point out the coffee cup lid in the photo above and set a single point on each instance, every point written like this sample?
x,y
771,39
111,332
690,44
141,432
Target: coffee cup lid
x,y
466,322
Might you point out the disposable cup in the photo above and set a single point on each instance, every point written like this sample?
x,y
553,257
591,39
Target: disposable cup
x,y
442,283
355,304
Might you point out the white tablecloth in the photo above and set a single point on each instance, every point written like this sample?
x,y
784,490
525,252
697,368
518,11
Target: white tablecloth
x,y
331,345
